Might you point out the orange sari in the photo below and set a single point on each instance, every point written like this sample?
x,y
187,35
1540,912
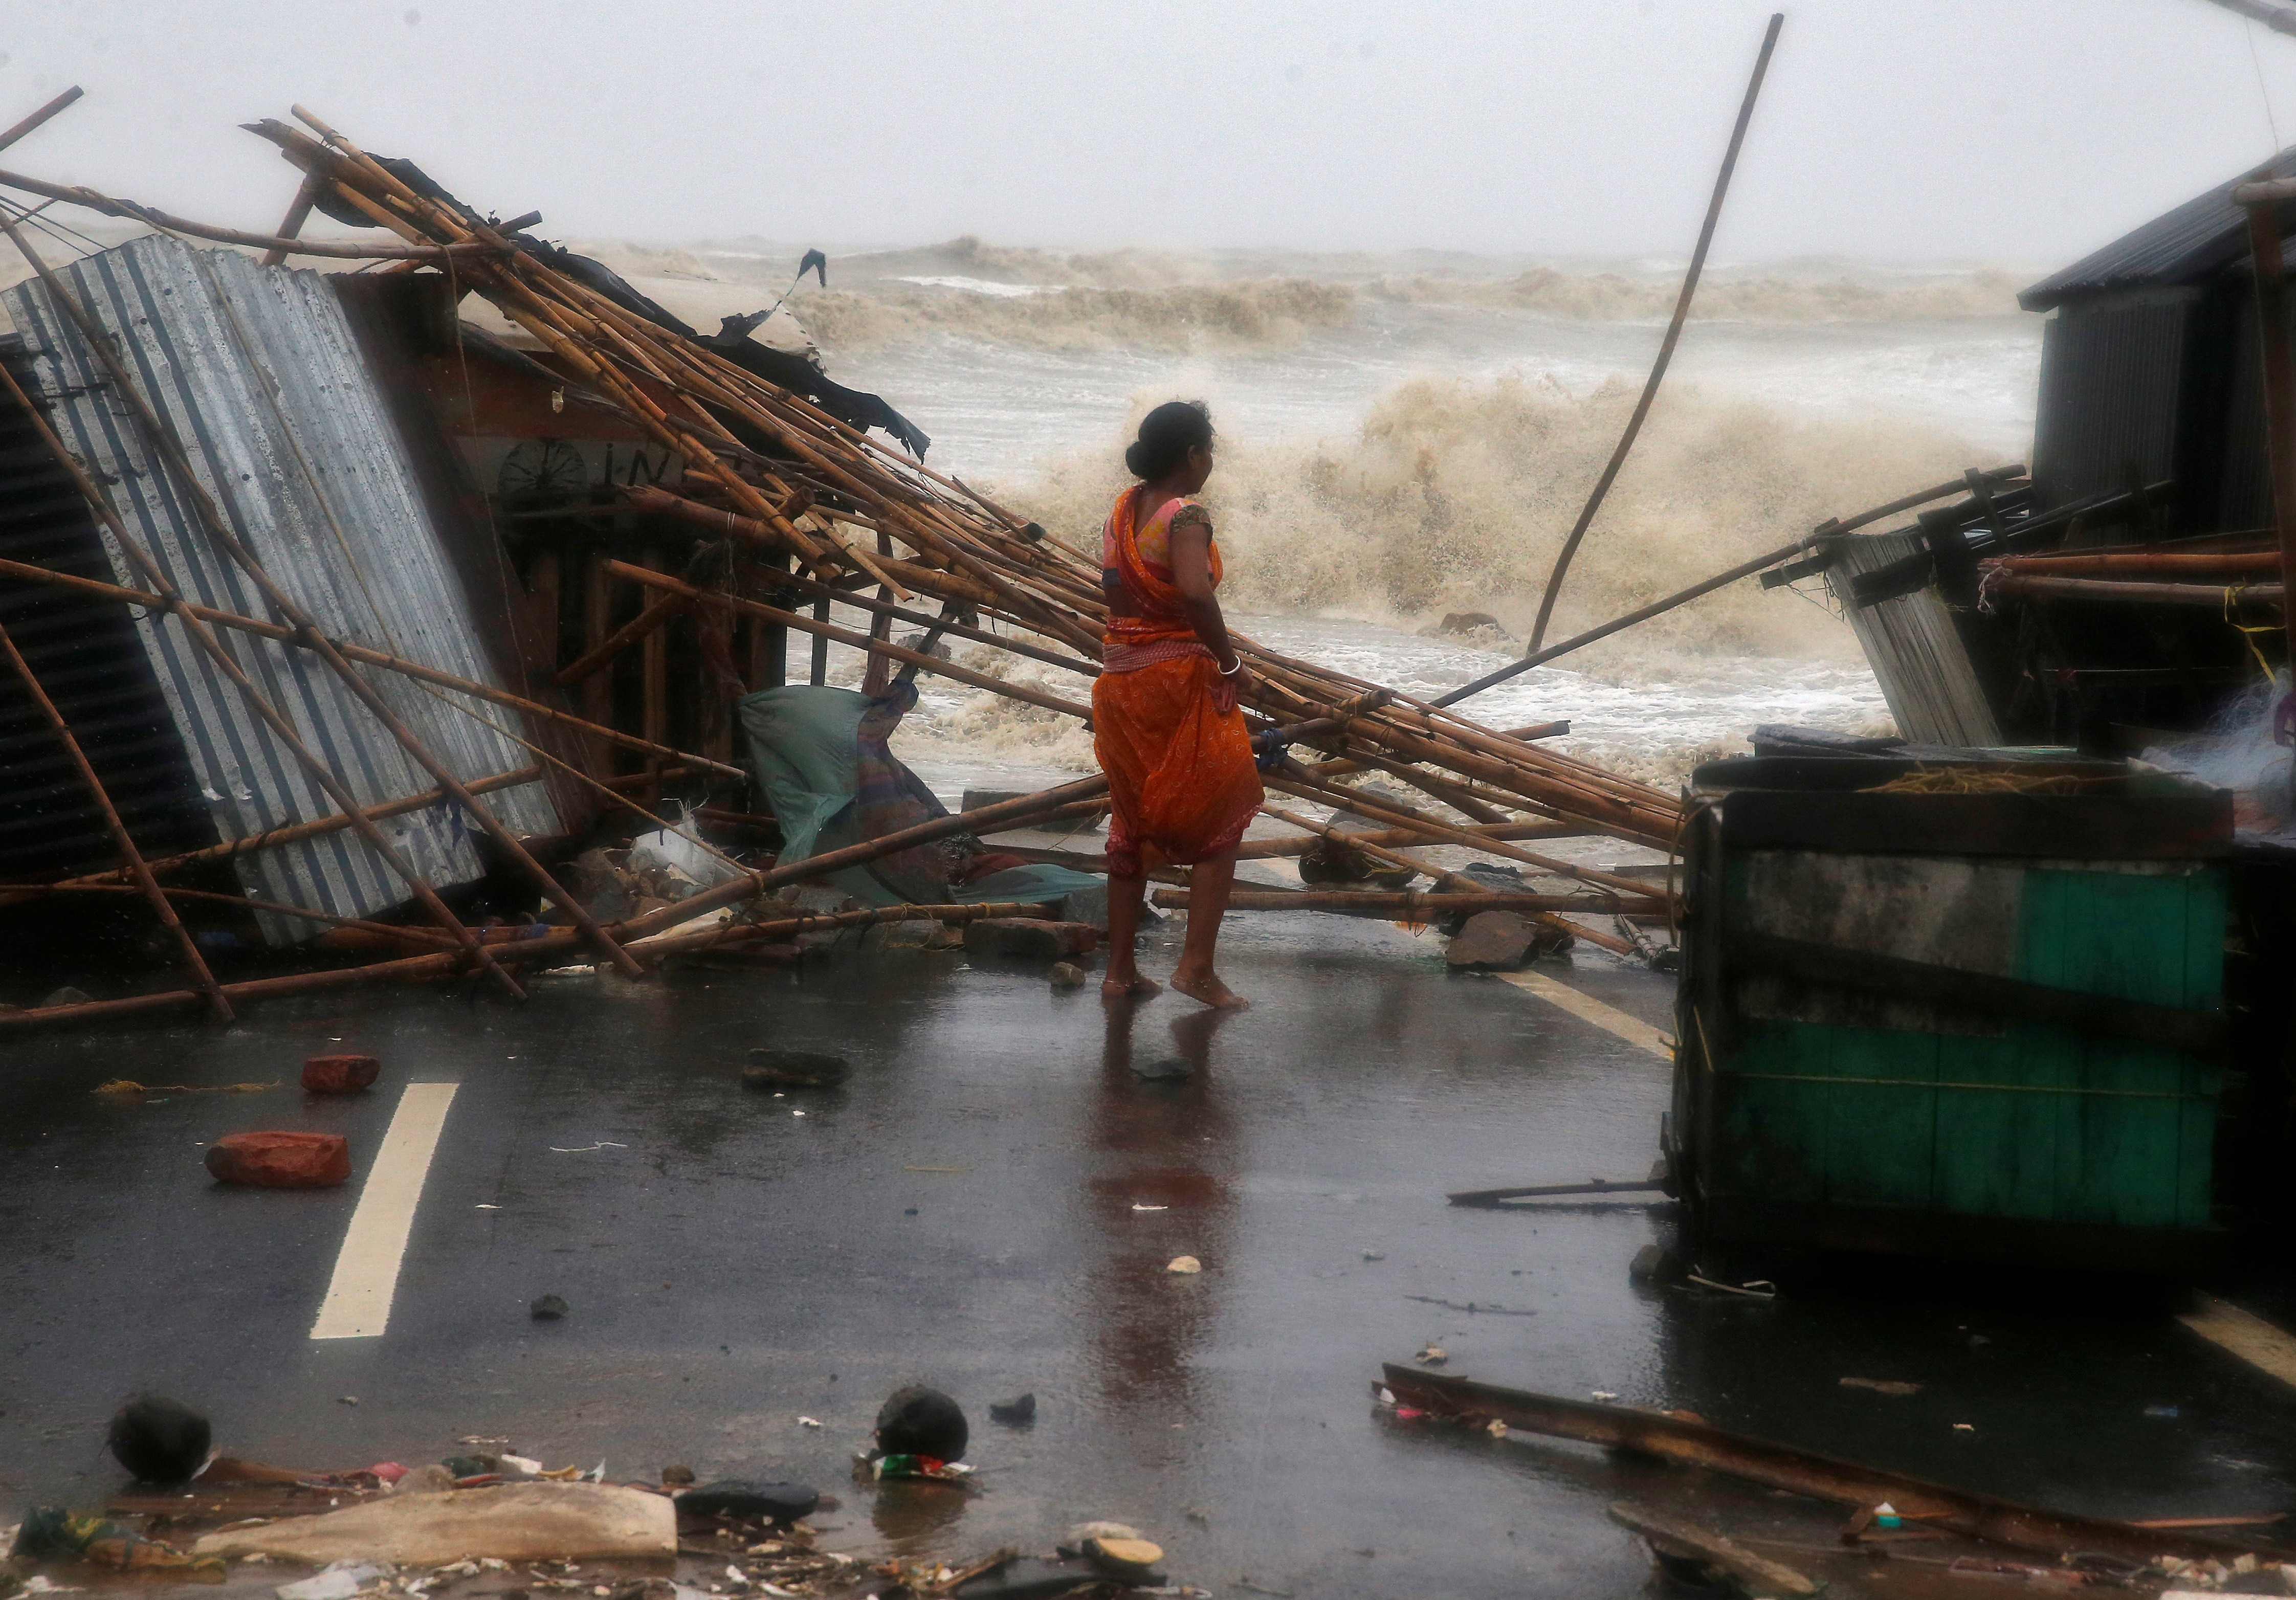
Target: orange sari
x,y
1181,781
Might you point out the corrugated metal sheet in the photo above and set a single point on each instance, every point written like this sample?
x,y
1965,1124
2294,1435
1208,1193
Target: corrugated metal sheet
x,y
87,657
2190,244
256,370
2111,393
1916,653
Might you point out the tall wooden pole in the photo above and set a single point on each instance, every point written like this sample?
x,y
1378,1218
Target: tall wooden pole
x,y
128,854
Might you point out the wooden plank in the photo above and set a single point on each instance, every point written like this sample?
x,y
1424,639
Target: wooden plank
x,y
597,626
654,685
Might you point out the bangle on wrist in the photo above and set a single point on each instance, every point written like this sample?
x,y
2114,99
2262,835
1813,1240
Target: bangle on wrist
x,y
1231,671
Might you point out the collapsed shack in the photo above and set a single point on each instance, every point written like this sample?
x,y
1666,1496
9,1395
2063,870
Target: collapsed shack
x,y
356,606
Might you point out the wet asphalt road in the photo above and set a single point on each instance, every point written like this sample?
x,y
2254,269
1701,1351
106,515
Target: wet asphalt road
x,y
968,1212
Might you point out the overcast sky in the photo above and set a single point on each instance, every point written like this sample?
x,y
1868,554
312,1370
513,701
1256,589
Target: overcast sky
x,y
2023,130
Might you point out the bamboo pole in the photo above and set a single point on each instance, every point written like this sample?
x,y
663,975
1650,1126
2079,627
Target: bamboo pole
x,y
1673,334
40,117
362,654
292,832
153,218
170,448
597,659
422,936
130,856
1337,795
166,600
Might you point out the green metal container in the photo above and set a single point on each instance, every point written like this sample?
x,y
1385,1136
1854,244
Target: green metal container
x,y
1982,1024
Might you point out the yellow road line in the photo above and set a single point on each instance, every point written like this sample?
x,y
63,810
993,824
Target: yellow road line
x,y
2243,1333
1587,1009
367,1272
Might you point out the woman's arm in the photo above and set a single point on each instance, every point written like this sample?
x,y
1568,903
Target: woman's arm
x,y
1192,575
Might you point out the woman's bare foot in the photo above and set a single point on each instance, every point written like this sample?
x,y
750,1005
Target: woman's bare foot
x,y
1134,987
1207,988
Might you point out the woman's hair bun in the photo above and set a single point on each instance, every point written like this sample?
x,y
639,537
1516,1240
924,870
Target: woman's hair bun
x,y
1167,435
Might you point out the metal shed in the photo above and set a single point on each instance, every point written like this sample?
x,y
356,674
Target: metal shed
x,y
258,371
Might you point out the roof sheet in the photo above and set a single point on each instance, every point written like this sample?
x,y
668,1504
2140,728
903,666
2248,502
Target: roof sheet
x,y
256,370
2190,244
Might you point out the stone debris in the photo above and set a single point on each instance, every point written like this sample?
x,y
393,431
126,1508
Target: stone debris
x,y
1029,937
281,1160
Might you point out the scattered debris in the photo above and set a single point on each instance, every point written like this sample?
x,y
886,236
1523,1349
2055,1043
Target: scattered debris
x,y
281,1160
1688,1442
126,1088
1653,1264
159,1439
1019,1412
1501,942
1431,1354
1165,1069
337,1580
1697,1557
1132,1560
777,1503
1375,1255
1067,974
546,1308
1183,1265
51,1533
340,1074
428,1478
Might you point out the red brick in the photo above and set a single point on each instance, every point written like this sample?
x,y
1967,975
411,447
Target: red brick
x,y
281,1160
340,1074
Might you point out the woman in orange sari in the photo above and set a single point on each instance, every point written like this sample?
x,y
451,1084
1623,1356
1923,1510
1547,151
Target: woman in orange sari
x,y
1181,781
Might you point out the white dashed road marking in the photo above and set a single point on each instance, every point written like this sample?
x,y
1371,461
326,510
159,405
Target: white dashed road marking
x,y
366,1273
2245,1334
1587,1009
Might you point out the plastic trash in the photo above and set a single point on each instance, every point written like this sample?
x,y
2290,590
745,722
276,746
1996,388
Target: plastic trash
x,y
661,848
337,1580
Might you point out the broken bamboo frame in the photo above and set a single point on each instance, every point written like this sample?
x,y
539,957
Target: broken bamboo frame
x,y
1676,1439
1673,333
2116,591
167,600
602,655
131,858
284,634
161,437
40,117
414,935
1258,849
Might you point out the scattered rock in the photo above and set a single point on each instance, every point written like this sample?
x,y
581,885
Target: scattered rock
x,y
1433,1355
1084,1533
1468,622
340,1074
548,1308
918,1421
1183,1265
1375,1255
281,1160
1493,941
676,1477
1067,974
66,996
1019,1412
1124,1558
1653,1265
1165,1069
431,1478
917,642
771,1068
1029,937
736,1497
159,1439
